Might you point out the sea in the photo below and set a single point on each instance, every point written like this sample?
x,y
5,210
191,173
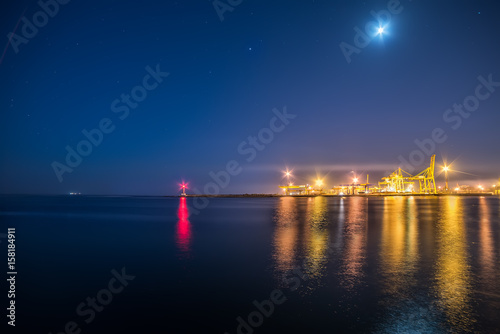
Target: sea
x,y
104,264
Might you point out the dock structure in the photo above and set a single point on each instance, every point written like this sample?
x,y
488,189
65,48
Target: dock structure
x,y
401,181
297,190
398,181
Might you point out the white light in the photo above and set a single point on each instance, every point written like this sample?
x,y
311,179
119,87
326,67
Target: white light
x,y
380,30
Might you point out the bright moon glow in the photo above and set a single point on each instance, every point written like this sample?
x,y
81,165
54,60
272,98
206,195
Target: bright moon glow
x,y
380,30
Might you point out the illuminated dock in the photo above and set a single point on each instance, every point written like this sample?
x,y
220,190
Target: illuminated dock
x,y
399,182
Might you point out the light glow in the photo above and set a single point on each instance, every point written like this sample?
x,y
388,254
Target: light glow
x,y
287,173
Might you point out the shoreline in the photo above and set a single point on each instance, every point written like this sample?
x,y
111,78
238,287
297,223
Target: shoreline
x,y
328,195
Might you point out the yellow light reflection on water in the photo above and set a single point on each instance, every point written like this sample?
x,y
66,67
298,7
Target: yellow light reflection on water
x,y
453,278
399,245
286,234
317,236
355,230
486,247
301,241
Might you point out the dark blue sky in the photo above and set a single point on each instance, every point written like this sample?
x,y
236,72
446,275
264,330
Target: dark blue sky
x,y
226,77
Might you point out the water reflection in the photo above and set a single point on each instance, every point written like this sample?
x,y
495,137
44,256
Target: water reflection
x,y
338,240
453,278
486,248
301,241
286,235
183,232
354,234
316,236
399,245
412,263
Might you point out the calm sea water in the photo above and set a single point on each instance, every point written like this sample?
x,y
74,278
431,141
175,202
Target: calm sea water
x,y
262,265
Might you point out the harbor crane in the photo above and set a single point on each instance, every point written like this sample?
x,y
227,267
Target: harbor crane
x,y
402,181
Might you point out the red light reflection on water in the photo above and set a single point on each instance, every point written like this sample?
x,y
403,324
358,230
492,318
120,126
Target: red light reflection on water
x,y
183,236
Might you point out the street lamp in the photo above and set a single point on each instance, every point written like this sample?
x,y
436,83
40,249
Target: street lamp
x,y
319,182
288,173
446,169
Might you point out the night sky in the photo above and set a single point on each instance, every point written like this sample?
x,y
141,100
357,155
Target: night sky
x,y
204,85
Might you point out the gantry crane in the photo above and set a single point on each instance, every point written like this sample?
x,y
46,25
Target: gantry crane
x,y
425,178
398,180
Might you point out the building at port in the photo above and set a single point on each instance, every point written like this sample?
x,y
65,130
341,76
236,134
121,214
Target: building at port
x,y
398,182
